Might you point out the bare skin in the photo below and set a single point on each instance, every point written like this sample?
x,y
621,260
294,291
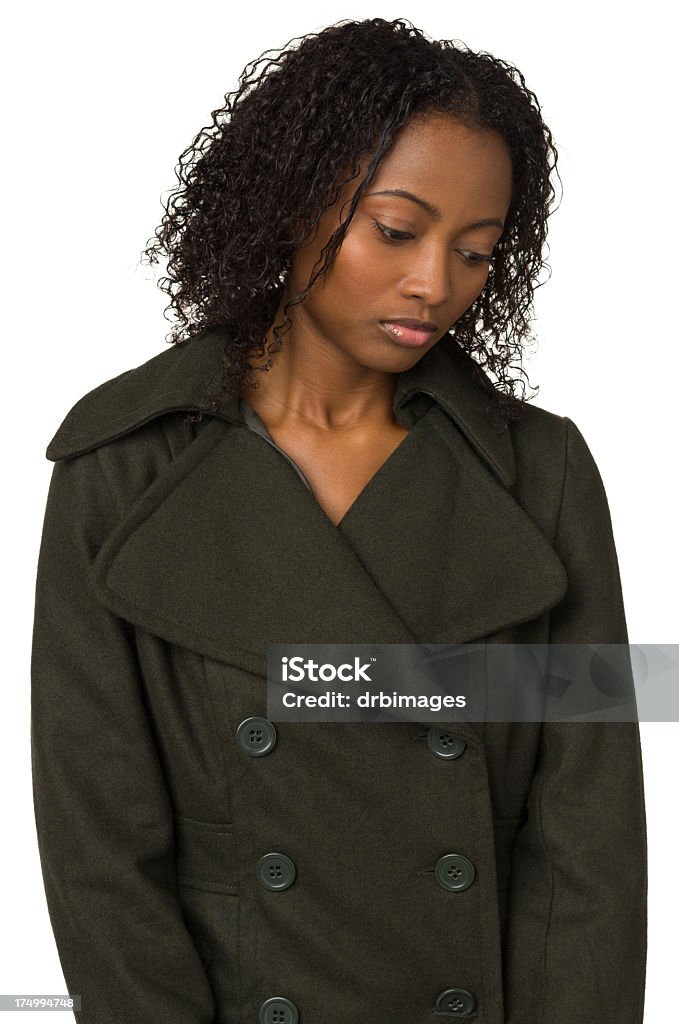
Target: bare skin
x,y
327,399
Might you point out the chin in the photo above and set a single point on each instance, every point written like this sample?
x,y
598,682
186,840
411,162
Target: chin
x,y
394,361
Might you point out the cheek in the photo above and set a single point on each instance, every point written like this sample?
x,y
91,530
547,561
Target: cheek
x,y
346,291
469,290
358,271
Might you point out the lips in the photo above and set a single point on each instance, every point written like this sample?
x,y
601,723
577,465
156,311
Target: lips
x,y
409,332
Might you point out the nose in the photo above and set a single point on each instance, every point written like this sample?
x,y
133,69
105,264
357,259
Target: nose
x,y
428,278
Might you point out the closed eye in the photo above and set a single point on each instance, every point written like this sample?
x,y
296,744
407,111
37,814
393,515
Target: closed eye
x,y
475,259
390,233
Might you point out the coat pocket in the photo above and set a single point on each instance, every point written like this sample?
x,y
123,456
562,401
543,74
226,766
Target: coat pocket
x,y
209,895
205,855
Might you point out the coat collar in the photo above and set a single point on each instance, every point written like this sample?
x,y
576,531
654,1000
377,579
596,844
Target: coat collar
x,y
444,374
182,377
227,551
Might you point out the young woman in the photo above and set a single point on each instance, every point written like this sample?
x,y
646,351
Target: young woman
x,y
323,457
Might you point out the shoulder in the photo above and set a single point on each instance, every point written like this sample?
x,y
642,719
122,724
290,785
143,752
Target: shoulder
x,y
559,479
542,436
540,441
557,474
175,380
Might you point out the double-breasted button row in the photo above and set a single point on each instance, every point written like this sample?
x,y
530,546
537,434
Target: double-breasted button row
x,y
277,871
453,871
452,1002
257,736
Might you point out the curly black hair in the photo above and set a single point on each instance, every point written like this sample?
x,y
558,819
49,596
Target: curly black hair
x,y
255,182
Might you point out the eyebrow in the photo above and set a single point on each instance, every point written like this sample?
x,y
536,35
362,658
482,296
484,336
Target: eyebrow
x,y
432,210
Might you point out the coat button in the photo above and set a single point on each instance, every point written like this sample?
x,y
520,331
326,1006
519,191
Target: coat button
x,y
454,871
278,1010
256,736
456,1002
445,744
276,871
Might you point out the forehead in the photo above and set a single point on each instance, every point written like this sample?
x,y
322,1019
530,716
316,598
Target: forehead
x,y
444,161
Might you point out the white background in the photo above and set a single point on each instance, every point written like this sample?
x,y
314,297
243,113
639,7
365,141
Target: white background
x,y
98,102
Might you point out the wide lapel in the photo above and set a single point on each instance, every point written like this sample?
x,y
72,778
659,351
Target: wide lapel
x,y
228,551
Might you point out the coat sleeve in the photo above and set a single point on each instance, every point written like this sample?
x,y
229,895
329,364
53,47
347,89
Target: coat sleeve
x,y
576,946
103,812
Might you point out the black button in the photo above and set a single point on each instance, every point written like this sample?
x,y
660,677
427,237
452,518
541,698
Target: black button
x,y
445,744
276,871
278,1010
454,871
256,736
456,1002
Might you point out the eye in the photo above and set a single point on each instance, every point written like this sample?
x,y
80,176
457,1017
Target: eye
x,y
474,259
390,233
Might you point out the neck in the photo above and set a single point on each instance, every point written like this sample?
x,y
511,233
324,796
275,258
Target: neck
x,y
311,382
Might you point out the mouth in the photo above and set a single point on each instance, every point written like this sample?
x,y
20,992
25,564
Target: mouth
x,y
413,333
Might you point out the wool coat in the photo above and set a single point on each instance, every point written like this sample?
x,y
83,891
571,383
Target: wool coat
x,y
204,865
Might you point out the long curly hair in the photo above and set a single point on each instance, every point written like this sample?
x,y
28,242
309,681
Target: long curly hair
x,y
278,153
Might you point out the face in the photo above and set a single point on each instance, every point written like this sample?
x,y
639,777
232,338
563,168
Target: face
x,y
421,256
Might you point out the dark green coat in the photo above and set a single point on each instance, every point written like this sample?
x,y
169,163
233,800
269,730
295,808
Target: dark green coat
x,y
172,554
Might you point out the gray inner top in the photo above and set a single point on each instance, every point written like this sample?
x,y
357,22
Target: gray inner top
x,y
254,421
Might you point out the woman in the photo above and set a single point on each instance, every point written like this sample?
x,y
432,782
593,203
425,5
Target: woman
x,y
322,458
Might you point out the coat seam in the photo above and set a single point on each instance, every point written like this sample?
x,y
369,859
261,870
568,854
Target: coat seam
x,y
550,909
166,438
208,885
563,479
215,828
479,908
108,483
644,840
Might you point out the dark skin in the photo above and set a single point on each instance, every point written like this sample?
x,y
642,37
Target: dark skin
x,y
327,398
